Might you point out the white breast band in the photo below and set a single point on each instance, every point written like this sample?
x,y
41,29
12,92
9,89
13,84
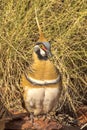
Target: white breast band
x,y
42,82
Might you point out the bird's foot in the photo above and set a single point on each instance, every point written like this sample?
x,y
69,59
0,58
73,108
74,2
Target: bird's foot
x,y
46,118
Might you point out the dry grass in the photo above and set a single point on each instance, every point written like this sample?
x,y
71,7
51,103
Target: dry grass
x,y
64,24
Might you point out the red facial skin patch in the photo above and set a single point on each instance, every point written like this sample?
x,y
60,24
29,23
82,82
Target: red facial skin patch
x,y
44,48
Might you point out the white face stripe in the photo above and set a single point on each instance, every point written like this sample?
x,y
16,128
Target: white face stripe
x,y
43,82
42,52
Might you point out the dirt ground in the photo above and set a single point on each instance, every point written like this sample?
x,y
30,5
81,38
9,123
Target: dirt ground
x,y
22,121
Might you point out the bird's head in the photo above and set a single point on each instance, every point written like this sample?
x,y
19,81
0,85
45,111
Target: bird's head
x,y
43,50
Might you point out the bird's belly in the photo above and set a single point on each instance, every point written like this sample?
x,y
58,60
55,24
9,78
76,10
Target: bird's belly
x,y
41,100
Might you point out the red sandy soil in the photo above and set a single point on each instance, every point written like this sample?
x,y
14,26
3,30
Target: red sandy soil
x,y
22,121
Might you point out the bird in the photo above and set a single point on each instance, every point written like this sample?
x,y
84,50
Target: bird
x,y
42,84
5,116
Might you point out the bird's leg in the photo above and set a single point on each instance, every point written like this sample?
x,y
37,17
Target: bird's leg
x,y
48,117
32,117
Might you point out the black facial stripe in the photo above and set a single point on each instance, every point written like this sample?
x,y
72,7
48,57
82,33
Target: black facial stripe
x,y
40,56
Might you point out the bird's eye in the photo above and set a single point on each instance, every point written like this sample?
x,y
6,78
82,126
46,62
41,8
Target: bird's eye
x,y
41,46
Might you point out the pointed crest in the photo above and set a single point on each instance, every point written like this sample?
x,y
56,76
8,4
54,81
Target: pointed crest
x,y
41,36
